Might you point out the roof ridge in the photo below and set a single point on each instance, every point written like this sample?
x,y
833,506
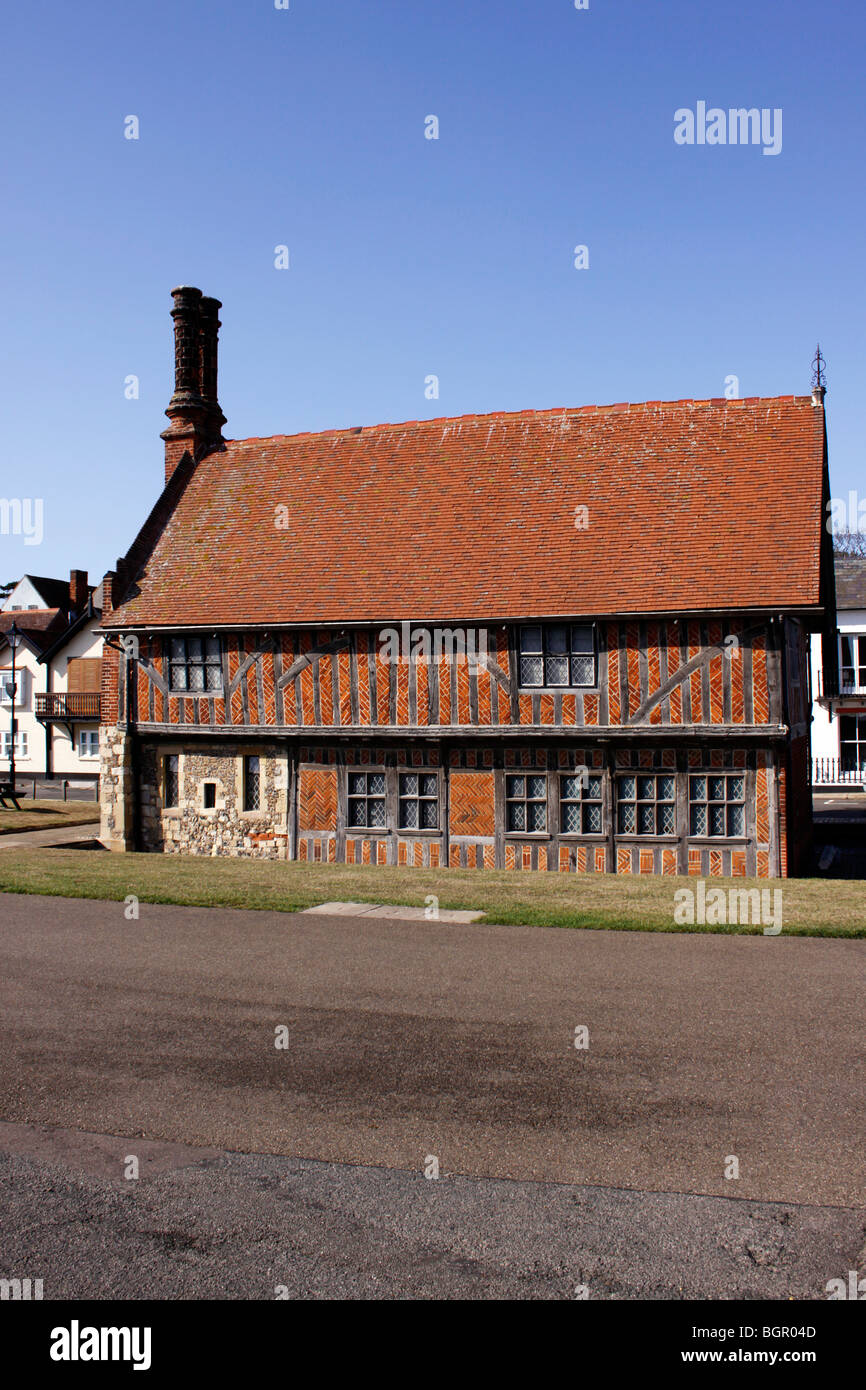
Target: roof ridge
x,y
618,407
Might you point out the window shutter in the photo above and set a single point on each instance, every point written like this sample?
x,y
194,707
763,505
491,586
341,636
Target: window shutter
x,y
84,675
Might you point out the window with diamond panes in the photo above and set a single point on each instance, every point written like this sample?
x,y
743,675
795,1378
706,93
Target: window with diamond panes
x,y
557,655
646,804
580,804
251,784
419,801
717,804
194,664
170,779
367,799
526,803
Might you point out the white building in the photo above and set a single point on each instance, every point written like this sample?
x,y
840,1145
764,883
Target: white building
x,y
839,714
58,664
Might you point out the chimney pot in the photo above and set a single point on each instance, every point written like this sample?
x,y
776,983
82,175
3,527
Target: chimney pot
x,y
195,417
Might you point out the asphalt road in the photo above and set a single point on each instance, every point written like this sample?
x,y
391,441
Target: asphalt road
x,y
197,1224
409,1039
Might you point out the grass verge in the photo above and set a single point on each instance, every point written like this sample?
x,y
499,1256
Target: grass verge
x,y
810,907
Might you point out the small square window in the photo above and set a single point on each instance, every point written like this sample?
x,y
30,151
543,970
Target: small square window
x,y
208,797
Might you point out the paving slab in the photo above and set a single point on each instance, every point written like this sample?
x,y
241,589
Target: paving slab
x,y
409,914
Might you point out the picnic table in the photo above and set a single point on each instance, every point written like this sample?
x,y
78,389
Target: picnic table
x,y
8,793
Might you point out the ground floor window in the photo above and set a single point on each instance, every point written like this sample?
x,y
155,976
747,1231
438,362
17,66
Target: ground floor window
x,y
251,784
419,801
646,804
170,779
526,803
21,744
88,743
367,799
580,806
852,741
717,805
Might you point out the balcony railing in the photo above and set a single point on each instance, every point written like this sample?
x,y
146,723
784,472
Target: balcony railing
x,y
844,684
68,705
837,772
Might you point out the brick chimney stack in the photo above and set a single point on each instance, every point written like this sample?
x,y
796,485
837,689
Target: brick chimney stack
x,y
78,590
195,417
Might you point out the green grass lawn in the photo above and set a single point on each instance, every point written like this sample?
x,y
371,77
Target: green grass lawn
x,y
46,815
811,907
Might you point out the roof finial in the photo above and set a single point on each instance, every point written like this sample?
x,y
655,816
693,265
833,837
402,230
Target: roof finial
x,y
819,378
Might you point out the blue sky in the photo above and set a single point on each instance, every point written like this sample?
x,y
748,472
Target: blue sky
x,y
411,257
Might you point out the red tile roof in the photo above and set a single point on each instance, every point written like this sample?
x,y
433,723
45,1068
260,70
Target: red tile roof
x,y
691,505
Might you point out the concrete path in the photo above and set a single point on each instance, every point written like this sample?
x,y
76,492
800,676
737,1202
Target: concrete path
x,y
50,839
380,1042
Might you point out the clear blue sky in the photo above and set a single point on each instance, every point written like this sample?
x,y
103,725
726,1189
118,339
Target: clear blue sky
x,y
410,256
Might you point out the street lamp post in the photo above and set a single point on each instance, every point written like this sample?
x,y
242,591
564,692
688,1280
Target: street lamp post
x,y
13,637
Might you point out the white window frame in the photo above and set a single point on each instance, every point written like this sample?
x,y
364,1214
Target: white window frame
x,y
87,735
22,745
22,682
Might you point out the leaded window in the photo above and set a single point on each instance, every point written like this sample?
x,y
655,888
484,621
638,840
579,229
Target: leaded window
x,y
580,804
526,803
419,801
194,664
717,804
646,804
170,779
367,799
557,655
251,784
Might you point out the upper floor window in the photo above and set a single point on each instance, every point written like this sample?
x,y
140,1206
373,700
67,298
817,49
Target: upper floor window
x,y
194,664
22,686
852,660
557,655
